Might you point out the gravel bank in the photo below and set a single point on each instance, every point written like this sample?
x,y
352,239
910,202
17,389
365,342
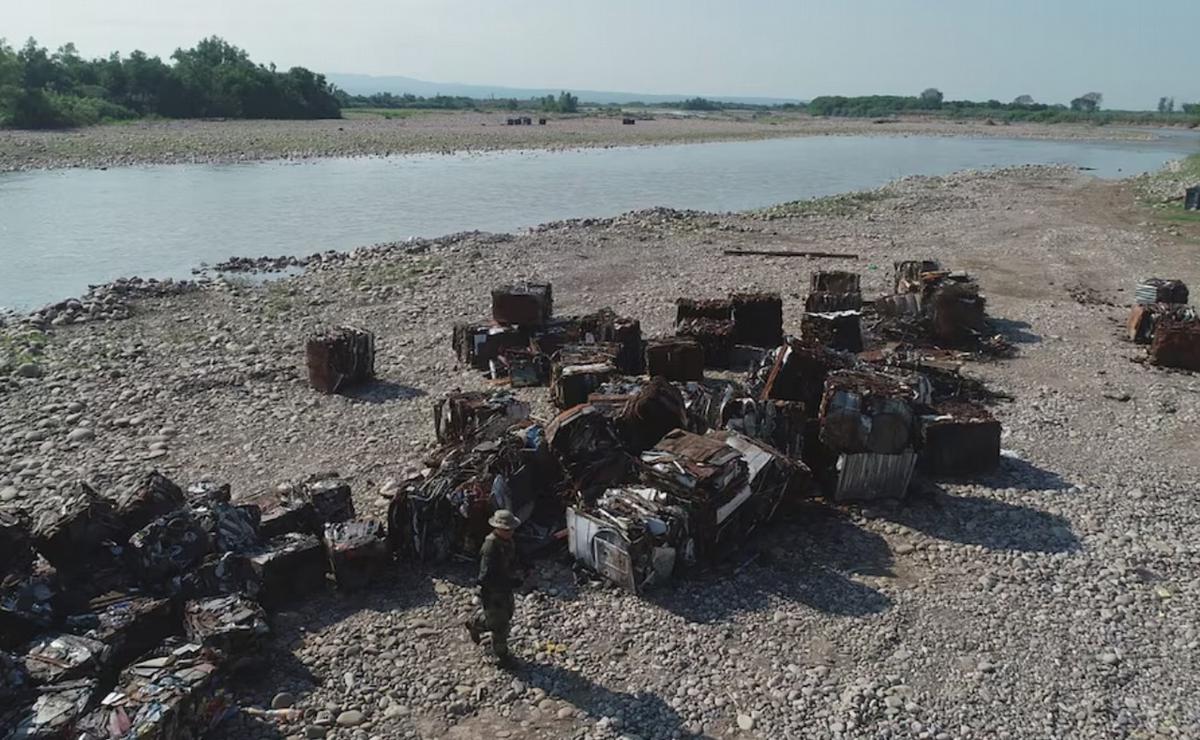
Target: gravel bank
x,y
210,142
1055,598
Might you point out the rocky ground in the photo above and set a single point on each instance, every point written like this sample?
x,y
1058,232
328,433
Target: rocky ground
x,y
174,142
1054,598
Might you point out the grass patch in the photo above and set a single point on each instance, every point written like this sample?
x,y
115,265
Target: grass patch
x,y
20,347
394,274
278,300
845,204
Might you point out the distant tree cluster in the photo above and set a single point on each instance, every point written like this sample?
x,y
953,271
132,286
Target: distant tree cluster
x,y
408,100
1087,103
564,103
40,89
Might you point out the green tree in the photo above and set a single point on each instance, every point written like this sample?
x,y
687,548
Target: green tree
x,y
1087,103
931,98
567,103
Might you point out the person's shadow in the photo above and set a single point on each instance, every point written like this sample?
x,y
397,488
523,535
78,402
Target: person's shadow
x,y
644,714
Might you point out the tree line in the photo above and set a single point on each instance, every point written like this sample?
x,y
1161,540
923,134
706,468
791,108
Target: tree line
x,y
214,79
1023,107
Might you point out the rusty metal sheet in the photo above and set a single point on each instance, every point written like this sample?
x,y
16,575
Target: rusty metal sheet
x,y
869,476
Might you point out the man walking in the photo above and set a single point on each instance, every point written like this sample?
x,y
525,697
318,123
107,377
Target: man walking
x,y
497,579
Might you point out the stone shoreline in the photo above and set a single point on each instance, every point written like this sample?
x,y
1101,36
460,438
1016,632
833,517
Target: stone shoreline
x,y
229,142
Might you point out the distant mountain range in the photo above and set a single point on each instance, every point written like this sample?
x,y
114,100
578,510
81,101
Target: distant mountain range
x,y
369,85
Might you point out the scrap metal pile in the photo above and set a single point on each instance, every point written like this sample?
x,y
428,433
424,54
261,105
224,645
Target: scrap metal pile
x,y
1162,319
120,616
650,468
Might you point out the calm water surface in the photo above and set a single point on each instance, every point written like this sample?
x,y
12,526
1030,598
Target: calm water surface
x,y
62,230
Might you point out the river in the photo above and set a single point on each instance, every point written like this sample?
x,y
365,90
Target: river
x,y
61,230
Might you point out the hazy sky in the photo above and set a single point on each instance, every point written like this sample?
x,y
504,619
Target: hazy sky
x,y
1055,50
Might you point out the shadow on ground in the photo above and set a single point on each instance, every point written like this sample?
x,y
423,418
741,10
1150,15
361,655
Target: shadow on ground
x,y
1017,332
383,391
393,591
1022,475
644,714
989,523
808,558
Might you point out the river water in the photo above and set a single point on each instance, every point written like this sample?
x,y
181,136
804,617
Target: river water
x,y
62,230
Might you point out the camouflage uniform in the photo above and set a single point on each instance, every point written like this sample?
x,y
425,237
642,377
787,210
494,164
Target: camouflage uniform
x,y
497,579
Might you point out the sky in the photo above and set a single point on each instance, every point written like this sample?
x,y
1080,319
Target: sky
x,y
1132,52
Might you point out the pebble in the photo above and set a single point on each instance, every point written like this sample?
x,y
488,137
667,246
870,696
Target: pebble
x,y
283,700
745,722
350,718
29,370
82,434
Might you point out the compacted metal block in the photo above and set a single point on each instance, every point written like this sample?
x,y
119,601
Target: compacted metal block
x,y
758,319
233,625
289,566
340,358
715,336
523,304
676,358
357,551
959,439
1177,344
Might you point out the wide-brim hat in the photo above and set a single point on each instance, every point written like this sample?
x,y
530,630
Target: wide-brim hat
x,y
504,519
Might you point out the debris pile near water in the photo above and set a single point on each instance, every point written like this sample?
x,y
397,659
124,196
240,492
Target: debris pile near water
x,y
121,615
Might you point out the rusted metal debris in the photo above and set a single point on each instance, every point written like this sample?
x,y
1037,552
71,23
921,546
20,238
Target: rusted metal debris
x,y
175,695
579,369
152,497
757,319
675,358
234,626
715,336
958,439
56,711
1177,344
716,309
72,538
1162,319
468,417
357,551
523,304
839,330
65,657
76,624
1160,290
169,545
289,566
340,358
